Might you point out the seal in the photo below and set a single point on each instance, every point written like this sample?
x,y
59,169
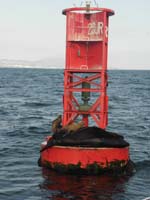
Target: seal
x,y
70,128
56,124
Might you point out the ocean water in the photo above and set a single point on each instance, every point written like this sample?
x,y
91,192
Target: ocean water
x,y
31,98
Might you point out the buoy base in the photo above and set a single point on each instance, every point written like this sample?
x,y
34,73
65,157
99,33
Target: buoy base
x,y
85,160
94,169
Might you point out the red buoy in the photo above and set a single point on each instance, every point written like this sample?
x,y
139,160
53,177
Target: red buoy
x,y
85,91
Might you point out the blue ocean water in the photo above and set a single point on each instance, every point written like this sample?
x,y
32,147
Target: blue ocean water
x,y
31,98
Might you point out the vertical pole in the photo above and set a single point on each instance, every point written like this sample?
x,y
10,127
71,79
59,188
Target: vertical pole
x,y
103,78
85,120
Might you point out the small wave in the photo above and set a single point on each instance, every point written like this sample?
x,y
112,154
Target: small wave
x,y
31,118
142,165
35,129
3,112
36,104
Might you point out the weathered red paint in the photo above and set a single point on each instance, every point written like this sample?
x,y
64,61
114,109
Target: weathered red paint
x,y
85,156
86,52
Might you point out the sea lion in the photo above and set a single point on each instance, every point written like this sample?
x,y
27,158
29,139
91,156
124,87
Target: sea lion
x,y
73,127
70,128
56,124
86,137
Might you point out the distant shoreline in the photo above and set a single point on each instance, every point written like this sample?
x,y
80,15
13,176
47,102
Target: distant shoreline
x,y
29,67
62,68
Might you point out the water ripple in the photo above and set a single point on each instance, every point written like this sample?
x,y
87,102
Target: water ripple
x,y
31,99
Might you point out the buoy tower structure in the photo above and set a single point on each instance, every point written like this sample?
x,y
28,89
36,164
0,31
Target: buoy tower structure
x,y
86,53
85,88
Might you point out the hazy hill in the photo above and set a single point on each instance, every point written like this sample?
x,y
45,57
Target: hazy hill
x,y
44,63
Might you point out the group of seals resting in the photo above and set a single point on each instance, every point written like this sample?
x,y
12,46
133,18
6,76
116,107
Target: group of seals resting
x,y
70,128
75,134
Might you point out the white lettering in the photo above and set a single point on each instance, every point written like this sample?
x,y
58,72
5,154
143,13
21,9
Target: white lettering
x,y
100,28
97,29
92,28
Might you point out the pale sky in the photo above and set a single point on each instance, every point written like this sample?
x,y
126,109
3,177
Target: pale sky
x,y
35,30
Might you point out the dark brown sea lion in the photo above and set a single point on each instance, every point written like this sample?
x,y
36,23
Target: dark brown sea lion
x,y
73,127
56,124
70,128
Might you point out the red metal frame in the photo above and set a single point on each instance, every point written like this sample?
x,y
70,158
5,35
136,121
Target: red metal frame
x,y
86,52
